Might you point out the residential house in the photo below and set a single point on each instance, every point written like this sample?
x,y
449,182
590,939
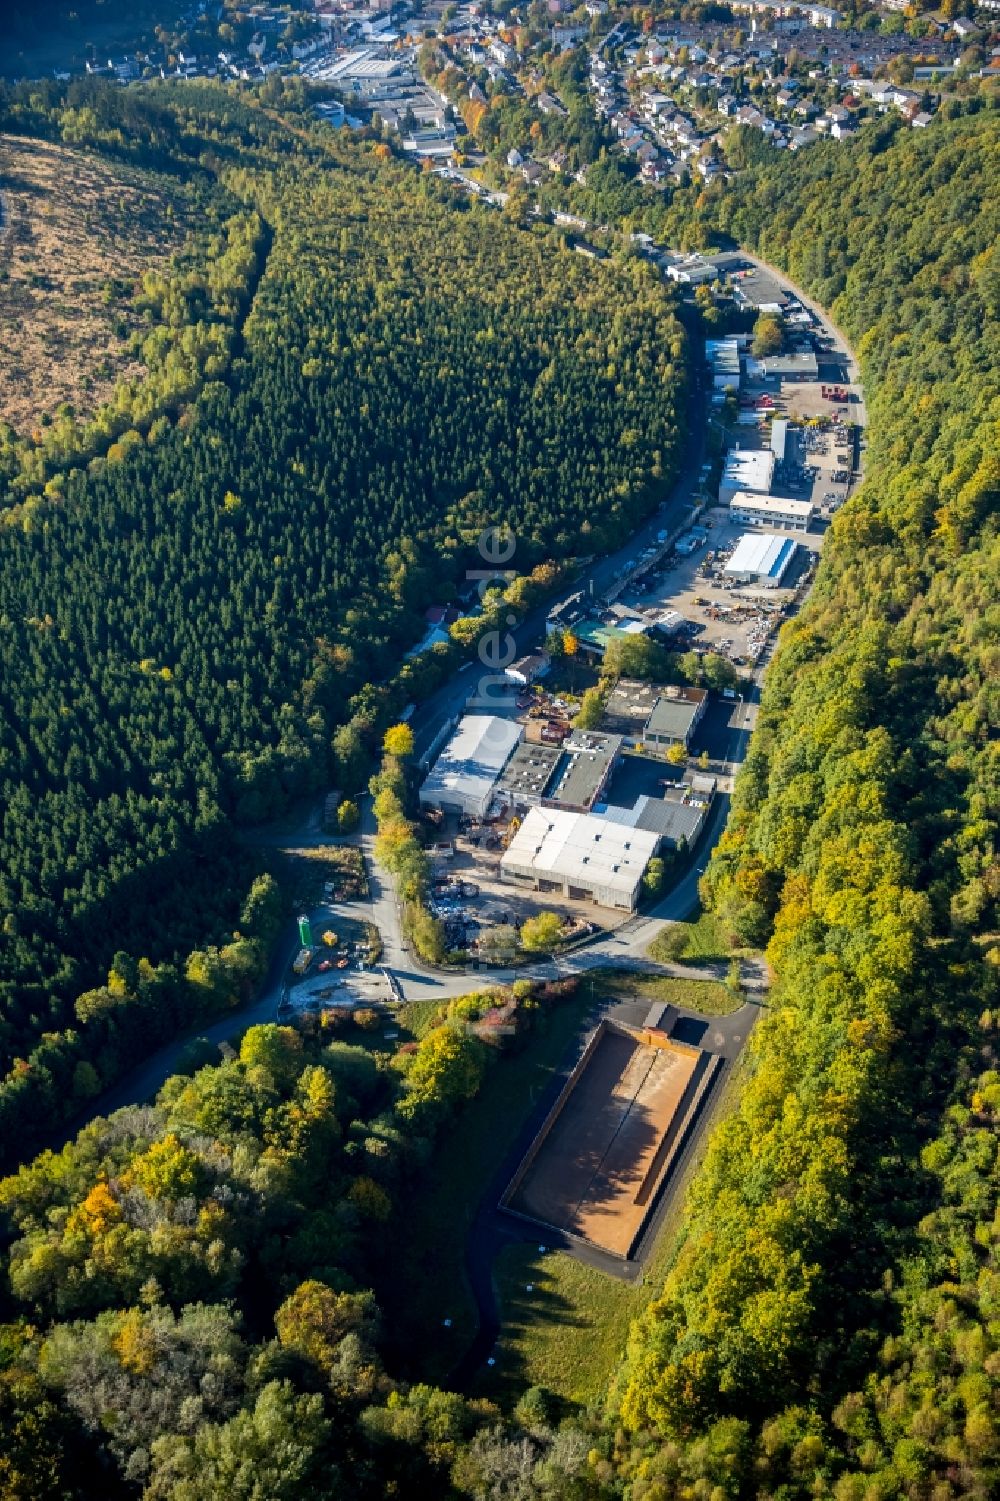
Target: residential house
x,y
565,37
655,103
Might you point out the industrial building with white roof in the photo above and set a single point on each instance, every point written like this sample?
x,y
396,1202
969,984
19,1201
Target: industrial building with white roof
x,y
466,772
746,469
581,855
763,560
748,508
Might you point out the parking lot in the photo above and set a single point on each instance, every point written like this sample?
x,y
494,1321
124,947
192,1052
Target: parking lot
x,y
721,616
357,986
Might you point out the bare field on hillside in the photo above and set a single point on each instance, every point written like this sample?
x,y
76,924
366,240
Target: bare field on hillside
x,y
75,236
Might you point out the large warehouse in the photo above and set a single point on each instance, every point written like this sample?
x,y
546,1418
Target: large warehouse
x,y
465,773
581,855
724,357
762,560
785,367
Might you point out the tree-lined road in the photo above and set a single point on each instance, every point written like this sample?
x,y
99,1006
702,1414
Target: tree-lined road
x,y
625,948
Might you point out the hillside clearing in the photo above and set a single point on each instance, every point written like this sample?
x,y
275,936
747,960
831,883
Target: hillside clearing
x,y
75,235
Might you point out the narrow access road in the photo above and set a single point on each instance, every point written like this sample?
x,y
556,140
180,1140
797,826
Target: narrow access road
x,y
625,947
840,345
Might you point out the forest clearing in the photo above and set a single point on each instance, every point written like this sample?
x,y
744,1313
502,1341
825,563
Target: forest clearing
x,y
77,233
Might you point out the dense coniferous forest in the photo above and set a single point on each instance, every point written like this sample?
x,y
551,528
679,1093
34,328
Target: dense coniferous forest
x,y
187,1284
200,584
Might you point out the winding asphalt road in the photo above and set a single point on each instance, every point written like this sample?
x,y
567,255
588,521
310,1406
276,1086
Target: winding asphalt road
x,y
625,948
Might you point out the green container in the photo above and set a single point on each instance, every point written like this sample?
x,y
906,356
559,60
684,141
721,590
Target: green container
x,y
305,933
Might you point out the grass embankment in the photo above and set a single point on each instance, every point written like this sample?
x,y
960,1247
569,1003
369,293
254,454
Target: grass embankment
x,y
428,1284
568,1334
703,941
709,997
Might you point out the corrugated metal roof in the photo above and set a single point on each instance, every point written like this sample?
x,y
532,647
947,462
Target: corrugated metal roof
x,y
765,555
749,469
663,817
581,849
473,758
